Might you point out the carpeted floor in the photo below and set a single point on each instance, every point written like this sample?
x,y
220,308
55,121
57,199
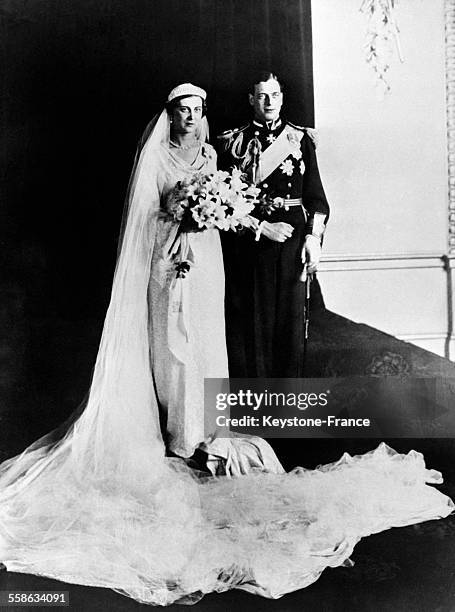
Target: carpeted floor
x,y
45,366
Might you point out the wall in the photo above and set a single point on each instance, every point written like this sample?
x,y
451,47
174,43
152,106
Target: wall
x,y
383,159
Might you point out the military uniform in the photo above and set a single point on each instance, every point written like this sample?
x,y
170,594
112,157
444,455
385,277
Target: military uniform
x,y
265,298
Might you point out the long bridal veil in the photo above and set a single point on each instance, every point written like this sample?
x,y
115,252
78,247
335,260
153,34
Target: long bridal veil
x,y
101,505
121,404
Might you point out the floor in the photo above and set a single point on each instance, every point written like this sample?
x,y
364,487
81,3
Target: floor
x,y
409,569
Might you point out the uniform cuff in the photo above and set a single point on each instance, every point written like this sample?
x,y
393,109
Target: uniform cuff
x,y
316,225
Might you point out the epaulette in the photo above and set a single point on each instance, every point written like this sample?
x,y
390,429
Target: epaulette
x,y
312,133
297,127
230,133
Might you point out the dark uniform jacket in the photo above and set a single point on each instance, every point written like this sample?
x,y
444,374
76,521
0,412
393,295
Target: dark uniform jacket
x,y
296,177
265,299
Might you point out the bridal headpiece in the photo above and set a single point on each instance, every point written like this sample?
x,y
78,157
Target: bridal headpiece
x,y
187,89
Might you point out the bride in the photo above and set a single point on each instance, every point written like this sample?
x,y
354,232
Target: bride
x,y
109,503
186,312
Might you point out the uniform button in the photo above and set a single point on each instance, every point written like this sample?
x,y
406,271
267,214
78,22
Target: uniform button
x,y
289,184
265,185
288,196
256,133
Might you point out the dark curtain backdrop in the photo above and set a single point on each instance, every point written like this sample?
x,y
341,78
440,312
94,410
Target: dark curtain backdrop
x,y
79,80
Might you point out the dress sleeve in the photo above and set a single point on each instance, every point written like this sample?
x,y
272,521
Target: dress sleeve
x,y
211,158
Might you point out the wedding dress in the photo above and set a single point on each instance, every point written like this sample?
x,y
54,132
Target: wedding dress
x,y
180,367
103,506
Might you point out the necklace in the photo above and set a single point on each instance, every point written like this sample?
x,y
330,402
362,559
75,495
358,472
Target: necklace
x,y
184,147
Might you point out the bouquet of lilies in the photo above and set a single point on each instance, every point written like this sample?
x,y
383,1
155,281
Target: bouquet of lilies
x,y
222,200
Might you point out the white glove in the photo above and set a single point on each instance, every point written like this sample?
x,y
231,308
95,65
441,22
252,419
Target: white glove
x,y
311,252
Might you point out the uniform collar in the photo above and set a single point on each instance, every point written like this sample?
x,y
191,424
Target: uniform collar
x,y
271,125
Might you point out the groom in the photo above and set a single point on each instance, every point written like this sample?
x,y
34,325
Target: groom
x,y
265,298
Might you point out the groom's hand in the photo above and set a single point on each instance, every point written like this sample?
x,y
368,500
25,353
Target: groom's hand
x,y
278,232
311,252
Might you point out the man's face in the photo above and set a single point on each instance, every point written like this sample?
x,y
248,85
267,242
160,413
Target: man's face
x,y
187,115
267,100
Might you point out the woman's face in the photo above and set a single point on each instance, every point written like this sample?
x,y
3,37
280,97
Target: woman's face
x,y
187,115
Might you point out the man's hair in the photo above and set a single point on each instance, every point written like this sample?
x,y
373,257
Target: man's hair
x,y
262,77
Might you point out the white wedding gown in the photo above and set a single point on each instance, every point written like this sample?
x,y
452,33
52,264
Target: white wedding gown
x,y
103,506
180,379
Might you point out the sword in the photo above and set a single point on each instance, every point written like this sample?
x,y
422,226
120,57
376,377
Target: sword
x,y
306,277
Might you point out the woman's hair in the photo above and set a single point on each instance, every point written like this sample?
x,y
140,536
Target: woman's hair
x,y
170,106
262,77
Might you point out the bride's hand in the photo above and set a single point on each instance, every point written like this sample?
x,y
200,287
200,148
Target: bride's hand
x,y
250,222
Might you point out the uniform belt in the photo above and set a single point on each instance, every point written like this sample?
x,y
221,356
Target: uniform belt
x,y
293,202
286,203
